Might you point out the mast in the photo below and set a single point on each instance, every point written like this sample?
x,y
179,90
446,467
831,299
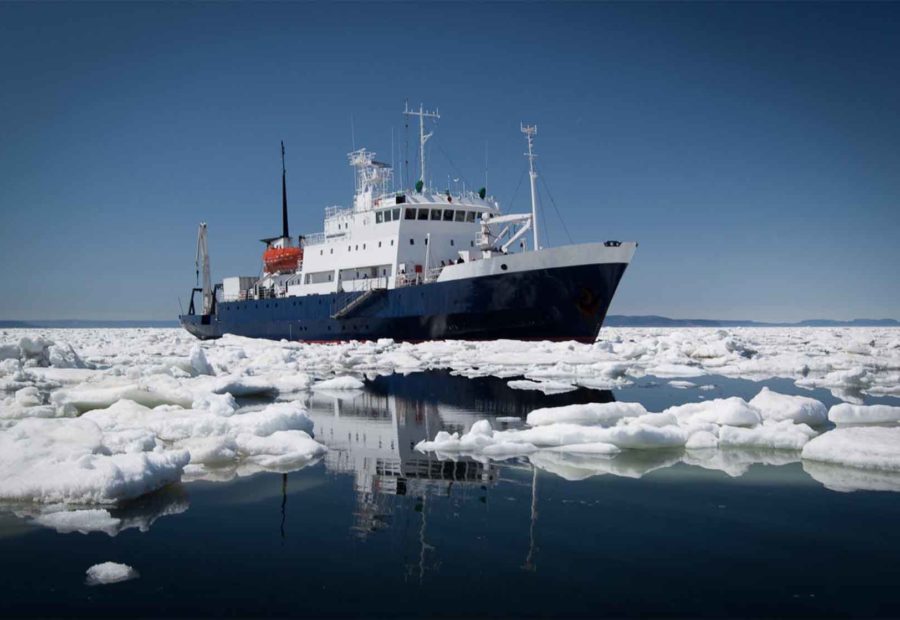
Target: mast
x,y
530,131
284,217
423,137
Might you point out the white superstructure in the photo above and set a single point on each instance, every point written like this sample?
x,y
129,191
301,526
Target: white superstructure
x,y
388,239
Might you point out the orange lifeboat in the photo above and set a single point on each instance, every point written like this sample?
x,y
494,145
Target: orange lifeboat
x,y
279,260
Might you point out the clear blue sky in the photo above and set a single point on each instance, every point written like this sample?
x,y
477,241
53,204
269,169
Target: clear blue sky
x,y
753,150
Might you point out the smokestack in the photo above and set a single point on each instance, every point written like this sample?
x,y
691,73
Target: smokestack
x,y
284,218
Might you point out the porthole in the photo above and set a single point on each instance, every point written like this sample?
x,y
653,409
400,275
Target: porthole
x,y
504,267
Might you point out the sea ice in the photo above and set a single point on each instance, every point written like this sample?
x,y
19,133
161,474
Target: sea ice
x,y
605,414
339,383
65,461
547,386
109,572
870,447
732,411
861,414
800,409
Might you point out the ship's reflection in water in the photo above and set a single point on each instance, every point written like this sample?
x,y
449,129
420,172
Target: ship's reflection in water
x,y
372,435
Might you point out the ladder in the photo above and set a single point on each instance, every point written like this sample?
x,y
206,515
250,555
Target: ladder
x,y
357,302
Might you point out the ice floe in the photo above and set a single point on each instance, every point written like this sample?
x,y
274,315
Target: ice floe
x,y
872,448
863,414
109,572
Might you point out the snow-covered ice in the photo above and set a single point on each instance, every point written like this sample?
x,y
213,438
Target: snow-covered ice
x,y
109,572
99,416
845,413
872,447
106,416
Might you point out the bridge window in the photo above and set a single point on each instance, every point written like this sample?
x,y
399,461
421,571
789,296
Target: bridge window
x,y
460,216
379,217
436,215
423,214
448,215
410,214
470,216
396,213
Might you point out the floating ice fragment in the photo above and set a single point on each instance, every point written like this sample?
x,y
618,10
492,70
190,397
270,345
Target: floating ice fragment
x,y
800,409
547,387
199,362
876,448
605,414
28,397
339,383
783,435
109,572
861,414
682,385
702,440
732,411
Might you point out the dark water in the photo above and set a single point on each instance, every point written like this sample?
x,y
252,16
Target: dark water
x,y
377,529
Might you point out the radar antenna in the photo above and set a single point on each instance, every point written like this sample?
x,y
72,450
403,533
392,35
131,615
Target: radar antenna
x,y
423,137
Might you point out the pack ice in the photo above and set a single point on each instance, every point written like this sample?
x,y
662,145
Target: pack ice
x,y
133,411
99,416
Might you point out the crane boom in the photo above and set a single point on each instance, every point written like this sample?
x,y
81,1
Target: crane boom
x,y
202,263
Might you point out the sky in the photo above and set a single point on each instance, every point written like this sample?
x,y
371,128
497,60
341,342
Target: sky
x,y
751,149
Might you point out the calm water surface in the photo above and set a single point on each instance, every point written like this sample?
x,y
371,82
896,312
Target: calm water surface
x,y
377,529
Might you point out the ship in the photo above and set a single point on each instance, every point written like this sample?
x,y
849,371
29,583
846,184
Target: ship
x,y
413,265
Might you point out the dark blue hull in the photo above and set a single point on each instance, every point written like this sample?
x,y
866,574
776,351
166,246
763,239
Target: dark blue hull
x,y
565,303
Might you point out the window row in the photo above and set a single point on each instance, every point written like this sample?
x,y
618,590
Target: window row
x,y
435,215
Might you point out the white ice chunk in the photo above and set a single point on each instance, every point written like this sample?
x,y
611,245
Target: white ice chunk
x,y
339,383
63,461
28,397
682,385
800,409
605,414
876,448
279,449
547,387
702,440
732,411
109,572
863,414
199,363
783,435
